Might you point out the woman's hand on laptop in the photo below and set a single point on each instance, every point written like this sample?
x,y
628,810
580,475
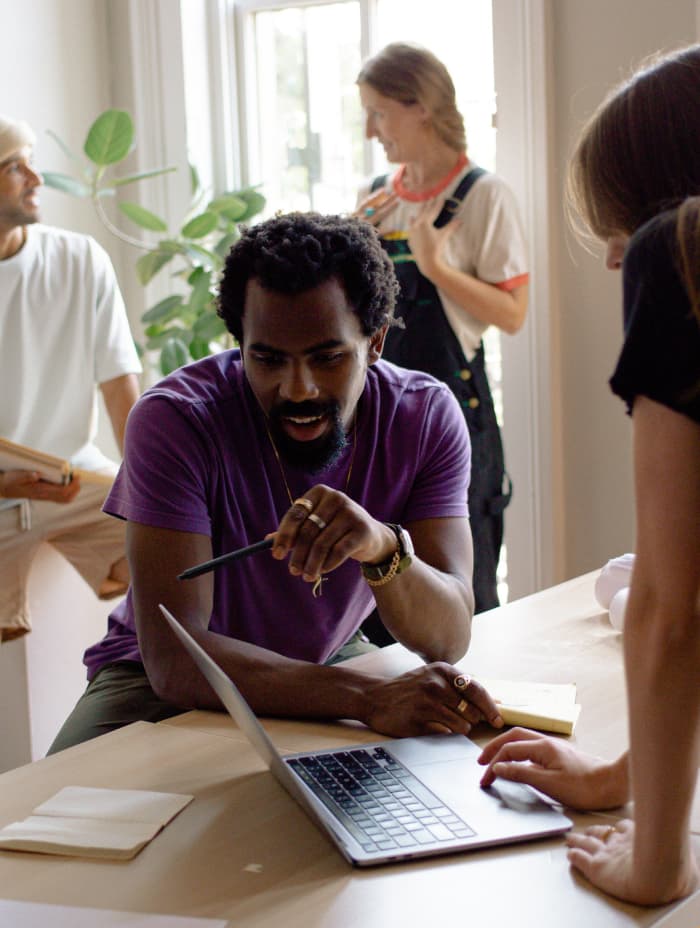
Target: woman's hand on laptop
x,y
435,699
578,780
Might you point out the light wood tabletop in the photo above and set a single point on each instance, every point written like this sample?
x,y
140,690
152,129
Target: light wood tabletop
x,y
244,851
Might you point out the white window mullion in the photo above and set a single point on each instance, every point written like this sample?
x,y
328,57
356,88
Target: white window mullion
x,y
520,56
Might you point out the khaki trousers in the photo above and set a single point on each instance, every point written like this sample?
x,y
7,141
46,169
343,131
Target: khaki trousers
x,y
89,539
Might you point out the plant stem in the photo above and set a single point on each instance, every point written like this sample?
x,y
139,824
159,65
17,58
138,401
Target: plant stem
x,y
109,225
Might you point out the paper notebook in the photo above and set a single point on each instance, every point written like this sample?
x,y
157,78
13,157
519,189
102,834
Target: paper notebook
x,y
84,822
544,706
52,468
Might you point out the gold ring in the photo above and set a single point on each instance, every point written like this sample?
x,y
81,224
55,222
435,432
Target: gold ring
x,y
462,705
306,503
461,682
317,520
608,831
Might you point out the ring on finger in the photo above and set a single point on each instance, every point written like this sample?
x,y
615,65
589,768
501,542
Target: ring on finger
x,y
317,520
461,682
608,831
462,705
304,503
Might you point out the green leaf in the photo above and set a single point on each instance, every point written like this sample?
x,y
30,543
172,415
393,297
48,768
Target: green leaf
x,y
172,247
131,178
201,225
224,245
199,348
163,310
209,327
159,339
230,206
256,203
65,183
173,355
195,275
201,294
110,137
198,255
149,264
143,217
195,185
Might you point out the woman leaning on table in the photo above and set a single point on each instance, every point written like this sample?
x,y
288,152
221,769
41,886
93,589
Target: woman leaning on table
x,y
635,180
455,238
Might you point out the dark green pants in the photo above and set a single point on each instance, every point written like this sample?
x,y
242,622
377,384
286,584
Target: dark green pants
x,y
120,694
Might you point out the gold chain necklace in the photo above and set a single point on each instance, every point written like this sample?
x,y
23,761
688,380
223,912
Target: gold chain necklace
x,y
317,589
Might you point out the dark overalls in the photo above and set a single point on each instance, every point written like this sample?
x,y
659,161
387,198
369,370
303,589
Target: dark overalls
x,y
428,343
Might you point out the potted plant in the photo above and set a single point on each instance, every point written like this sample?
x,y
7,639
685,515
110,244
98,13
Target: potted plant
x,y
184,326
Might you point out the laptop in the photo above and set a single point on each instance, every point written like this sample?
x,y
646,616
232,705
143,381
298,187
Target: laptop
x,y
393,800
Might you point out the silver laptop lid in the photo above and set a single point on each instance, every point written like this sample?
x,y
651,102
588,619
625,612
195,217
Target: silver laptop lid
x,y
230,696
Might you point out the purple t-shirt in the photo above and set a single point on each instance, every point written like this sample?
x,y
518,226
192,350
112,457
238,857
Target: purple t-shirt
x,y
199,459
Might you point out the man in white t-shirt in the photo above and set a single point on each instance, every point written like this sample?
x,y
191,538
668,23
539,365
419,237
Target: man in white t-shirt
x,y
64,331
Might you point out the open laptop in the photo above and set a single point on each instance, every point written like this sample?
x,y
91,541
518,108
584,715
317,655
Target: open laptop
x,y
392,800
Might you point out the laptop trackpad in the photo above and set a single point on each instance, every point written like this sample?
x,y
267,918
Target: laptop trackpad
x,y
448,766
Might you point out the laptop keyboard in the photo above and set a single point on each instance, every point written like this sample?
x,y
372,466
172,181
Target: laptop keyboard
x,y
378,800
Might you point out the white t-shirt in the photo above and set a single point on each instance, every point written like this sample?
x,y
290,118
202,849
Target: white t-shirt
x,y
63,331
489,244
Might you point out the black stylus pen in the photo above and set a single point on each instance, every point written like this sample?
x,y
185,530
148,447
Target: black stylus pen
x,y
225,558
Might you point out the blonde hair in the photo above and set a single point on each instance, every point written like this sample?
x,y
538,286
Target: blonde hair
x,y
411,74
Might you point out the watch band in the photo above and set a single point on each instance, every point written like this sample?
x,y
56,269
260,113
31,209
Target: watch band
x,y
379,574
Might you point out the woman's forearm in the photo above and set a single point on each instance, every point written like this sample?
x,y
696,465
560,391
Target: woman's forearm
x,y
486,302
662,656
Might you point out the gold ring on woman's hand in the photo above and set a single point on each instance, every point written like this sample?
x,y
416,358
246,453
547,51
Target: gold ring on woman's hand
x,y
317,520
461,682
462,705
608,831
304,503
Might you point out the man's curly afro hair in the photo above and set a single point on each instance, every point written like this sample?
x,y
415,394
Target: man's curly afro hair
x,y
299,251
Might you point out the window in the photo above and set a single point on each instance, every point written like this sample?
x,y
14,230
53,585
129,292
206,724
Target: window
x,y
319,159
303,121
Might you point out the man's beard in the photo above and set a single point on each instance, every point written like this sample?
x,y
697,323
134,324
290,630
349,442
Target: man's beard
x,y
19,216
313,456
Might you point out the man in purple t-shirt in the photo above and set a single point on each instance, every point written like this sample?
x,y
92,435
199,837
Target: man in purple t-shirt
x,y
306,437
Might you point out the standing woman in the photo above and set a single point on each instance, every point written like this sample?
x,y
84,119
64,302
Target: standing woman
x,y
635,180
454,235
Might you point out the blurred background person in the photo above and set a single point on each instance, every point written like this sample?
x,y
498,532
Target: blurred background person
x,y
455,236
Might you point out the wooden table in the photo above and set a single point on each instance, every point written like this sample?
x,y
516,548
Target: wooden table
x,y
243,850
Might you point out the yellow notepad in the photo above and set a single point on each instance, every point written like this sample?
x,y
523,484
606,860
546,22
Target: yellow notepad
x,y
52,468
86,822
544,706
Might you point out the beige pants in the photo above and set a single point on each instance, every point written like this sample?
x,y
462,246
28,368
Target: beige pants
x,y
88,538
